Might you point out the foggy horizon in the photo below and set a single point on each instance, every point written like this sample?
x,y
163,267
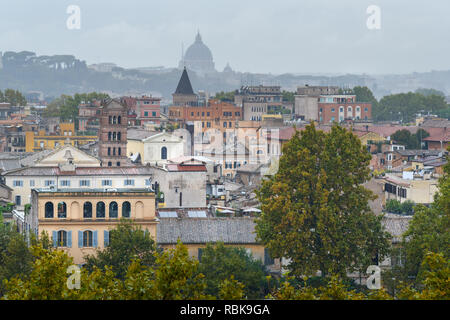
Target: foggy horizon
x,y
307,37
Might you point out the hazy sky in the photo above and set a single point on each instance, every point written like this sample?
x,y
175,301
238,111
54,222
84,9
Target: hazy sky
x,y
298,36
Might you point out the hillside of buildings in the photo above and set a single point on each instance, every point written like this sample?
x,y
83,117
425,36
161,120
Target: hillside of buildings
x,y
51,76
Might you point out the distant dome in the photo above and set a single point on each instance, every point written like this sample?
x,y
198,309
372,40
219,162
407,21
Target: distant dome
x,y
198,58
198,51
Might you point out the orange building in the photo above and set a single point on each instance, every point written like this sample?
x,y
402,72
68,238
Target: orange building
x,y
215,114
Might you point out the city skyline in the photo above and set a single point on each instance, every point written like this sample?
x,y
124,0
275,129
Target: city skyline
x,y
307,37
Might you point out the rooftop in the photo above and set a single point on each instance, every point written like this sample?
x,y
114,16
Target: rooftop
x,y
204,230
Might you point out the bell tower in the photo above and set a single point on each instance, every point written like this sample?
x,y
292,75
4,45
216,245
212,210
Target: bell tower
x,y
112,138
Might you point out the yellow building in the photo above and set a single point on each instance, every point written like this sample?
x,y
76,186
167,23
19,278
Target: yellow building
x,y
40,141
367,137
79,220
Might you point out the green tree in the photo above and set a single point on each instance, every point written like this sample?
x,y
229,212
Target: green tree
x,y
410,141
225,96
404,106
436,283
315,210
14,97
127,242
15,258
288,96
47,280
176,276
364,94
218,263
429,229
231,289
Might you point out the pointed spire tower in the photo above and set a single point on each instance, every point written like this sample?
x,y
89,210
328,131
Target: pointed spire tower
x,y
184,94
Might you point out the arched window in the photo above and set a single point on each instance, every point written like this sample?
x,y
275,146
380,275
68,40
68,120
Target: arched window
x,y
87,238
109,163
100,212
114,151
109,151
163,153
109,136
119,135
87,210
113,210
62,239
119,119
114,120
110,120
126,209
114,136
49,212
119,151
62,210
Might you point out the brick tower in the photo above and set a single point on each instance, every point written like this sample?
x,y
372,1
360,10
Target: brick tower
x,y
112,135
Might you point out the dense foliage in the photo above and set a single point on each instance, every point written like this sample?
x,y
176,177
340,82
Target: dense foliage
x,y
315,210
66,107
395,206
403,107
410,141
218,263
14,97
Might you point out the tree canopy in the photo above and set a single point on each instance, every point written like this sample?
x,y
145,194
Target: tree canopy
x,y
14,97
126,243
218,263
315,210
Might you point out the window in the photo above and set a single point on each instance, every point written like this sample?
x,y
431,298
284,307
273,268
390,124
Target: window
x,y
128,182
113,210
119,136
62,239
85,183
87,210
49,210
109,163
118,163
147,182
106,183
163,153
126,209
62,210
100,212
32,183
17,183
146,114
268,260
49,183
18,200
87,238
65,183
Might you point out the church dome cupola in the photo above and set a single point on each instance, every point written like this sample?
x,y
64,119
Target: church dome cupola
x,y
198,57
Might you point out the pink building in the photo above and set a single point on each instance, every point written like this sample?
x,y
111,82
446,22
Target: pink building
x,y
146,108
